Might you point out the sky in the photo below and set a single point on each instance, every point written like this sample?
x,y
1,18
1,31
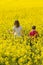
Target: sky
x,y
12,4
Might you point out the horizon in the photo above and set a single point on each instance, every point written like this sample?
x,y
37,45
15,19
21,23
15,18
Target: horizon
x,y
11,4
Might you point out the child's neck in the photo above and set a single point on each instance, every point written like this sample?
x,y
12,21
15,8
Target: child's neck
x,y
33,29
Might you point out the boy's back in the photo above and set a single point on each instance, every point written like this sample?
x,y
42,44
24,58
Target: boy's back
x,y
33,33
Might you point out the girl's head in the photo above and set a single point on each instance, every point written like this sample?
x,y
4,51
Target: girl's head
x,y
16,23
33,27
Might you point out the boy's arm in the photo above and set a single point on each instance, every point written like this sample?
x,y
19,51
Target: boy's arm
x,y
37,35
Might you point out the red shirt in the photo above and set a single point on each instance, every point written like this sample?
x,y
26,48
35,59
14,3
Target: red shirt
x,y
33,33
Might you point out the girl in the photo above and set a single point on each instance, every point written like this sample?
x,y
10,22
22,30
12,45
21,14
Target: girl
x,y
17,29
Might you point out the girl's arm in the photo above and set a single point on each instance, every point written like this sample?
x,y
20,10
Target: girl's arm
x,y
11,31
22,32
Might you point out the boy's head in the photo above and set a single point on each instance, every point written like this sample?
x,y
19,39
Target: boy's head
x,y
33,27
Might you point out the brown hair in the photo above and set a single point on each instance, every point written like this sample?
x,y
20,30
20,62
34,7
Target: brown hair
x,y
17,23
33,27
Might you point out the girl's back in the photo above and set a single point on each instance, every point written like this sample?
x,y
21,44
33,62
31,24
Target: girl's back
x,y
17,30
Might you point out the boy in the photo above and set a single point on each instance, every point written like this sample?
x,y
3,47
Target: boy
x,y
33,35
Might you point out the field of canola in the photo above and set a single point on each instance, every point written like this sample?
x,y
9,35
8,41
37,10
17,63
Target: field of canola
x,y
17,51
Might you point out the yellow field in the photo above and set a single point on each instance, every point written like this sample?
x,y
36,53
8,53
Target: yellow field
x,y
17,51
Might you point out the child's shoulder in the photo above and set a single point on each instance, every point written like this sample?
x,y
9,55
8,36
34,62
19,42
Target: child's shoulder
x,y
20,27
31,31
13,27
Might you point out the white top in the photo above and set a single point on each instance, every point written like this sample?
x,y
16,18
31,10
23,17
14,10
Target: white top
x,y
17,31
